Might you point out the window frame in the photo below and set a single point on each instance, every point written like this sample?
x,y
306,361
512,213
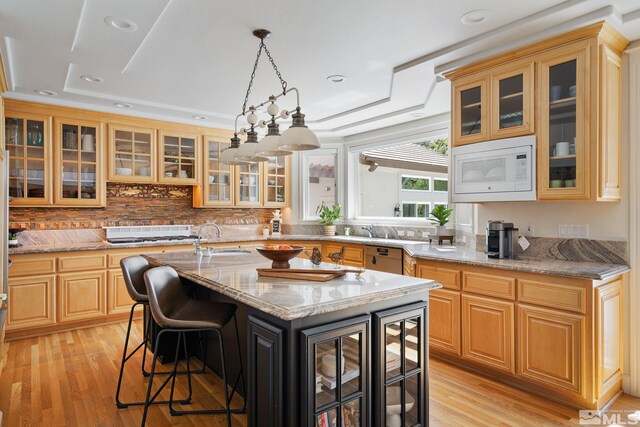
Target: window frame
x,y
434,179
429,179
416,203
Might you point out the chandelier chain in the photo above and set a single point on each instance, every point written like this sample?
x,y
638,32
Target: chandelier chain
x,y
283,82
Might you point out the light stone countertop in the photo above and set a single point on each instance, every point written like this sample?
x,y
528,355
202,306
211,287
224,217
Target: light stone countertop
x,y
417,249
236,277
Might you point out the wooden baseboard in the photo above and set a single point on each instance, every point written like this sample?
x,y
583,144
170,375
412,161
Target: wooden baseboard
x,y
45,330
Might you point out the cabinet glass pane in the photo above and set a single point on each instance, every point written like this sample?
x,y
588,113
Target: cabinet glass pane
x,y
325,371
411,399
249,182
511,101
25,142
393,358
88,181
351,414
327,419
471,111
412,344
70,177
276,179
395,404
562,125
352,361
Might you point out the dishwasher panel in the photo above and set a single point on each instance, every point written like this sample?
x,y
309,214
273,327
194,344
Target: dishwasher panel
x,y
384,259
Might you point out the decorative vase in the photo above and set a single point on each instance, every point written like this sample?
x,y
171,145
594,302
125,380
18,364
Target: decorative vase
x,y
329,230
441,230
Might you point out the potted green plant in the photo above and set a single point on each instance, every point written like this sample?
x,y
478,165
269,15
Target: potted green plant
x,y
13,239
440,215
328,217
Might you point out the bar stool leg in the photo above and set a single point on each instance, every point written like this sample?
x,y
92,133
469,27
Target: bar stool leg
x,y
124,359
241,374
224,379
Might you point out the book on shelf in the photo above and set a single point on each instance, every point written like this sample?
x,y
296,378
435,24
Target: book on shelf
x,y
352,370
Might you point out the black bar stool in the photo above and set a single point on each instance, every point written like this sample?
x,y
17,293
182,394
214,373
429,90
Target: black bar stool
x,y
174,311
133,269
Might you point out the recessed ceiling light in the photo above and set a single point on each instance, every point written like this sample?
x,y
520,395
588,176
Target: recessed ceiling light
x,y
92,79
122,24
200,117
475,16
45,92
122,105
418,114
336,78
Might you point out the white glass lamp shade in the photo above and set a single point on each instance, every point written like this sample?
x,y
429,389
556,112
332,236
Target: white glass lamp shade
x,y
298,137
269,146
228,157
247,153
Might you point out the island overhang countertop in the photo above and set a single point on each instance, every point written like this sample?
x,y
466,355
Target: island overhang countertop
x,y
236,276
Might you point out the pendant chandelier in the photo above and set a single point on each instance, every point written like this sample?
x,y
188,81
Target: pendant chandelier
x,y
297,138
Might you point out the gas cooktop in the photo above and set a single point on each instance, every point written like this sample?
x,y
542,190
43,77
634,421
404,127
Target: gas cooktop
x,y
122,240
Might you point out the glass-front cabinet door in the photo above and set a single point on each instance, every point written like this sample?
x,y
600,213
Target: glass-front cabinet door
x,y
27,138
217,185
335,374
564,133
78,165
400,346
248,189
132,154
470,105
512,101
276,184
178,161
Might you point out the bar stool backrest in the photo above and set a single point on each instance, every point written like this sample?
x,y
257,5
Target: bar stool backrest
x,y
133,269
166,295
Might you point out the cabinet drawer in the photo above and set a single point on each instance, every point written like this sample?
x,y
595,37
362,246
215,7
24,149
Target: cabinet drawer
x,y
32,265
81,263
448,278
485,284
555,295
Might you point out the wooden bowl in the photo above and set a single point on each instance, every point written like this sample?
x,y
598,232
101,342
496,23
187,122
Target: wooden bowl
x,y
280,257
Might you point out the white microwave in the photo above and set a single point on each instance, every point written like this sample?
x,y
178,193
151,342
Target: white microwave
x,y
493,171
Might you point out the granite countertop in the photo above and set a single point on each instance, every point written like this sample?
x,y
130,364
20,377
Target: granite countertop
x,y
417,249
236,277
455,254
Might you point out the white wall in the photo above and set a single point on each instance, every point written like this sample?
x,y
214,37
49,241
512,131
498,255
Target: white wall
x,y
380,191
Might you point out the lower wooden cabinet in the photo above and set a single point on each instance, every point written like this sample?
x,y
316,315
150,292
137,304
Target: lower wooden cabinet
x,y
81,296
408,265
444,320
118,299
31,302
609,328
353,254
487,332
550,343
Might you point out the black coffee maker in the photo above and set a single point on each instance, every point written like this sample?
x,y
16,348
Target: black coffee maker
x,y
502,240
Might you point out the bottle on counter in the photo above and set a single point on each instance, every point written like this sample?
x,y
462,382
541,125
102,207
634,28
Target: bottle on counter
x,y
276,223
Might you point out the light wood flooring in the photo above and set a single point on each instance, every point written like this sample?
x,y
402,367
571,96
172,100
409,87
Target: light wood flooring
x,y
69,379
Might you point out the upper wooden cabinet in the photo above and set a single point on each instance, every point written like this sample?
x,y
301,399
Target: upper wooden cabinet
x,y
277,188
79,163
179,158
132,154
217,187
28,140
575,110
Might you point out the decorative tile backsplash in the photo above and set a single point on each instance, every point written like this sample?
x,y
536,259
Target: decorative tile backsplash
x,y
135,204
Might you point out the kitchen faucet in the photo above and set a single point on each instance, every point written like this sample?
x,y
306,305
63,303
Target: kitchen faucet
x,y
198,246
368,229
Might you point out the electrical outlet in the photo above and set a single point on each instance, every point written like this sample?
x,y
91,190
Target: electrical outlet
x,y
528,231
410,233
401,233
573,230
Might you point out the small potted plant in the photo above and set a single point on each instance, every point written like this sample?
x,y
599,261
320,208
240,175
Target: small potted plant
x,y
440,215
328,217
13,239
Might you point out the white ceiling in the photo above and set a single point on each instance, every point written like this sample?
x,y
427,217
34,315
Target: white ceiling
x,y
194,57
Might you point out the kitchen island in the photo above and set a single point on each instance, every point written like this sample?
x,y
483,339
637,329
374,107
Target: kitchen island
x,y
293,332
